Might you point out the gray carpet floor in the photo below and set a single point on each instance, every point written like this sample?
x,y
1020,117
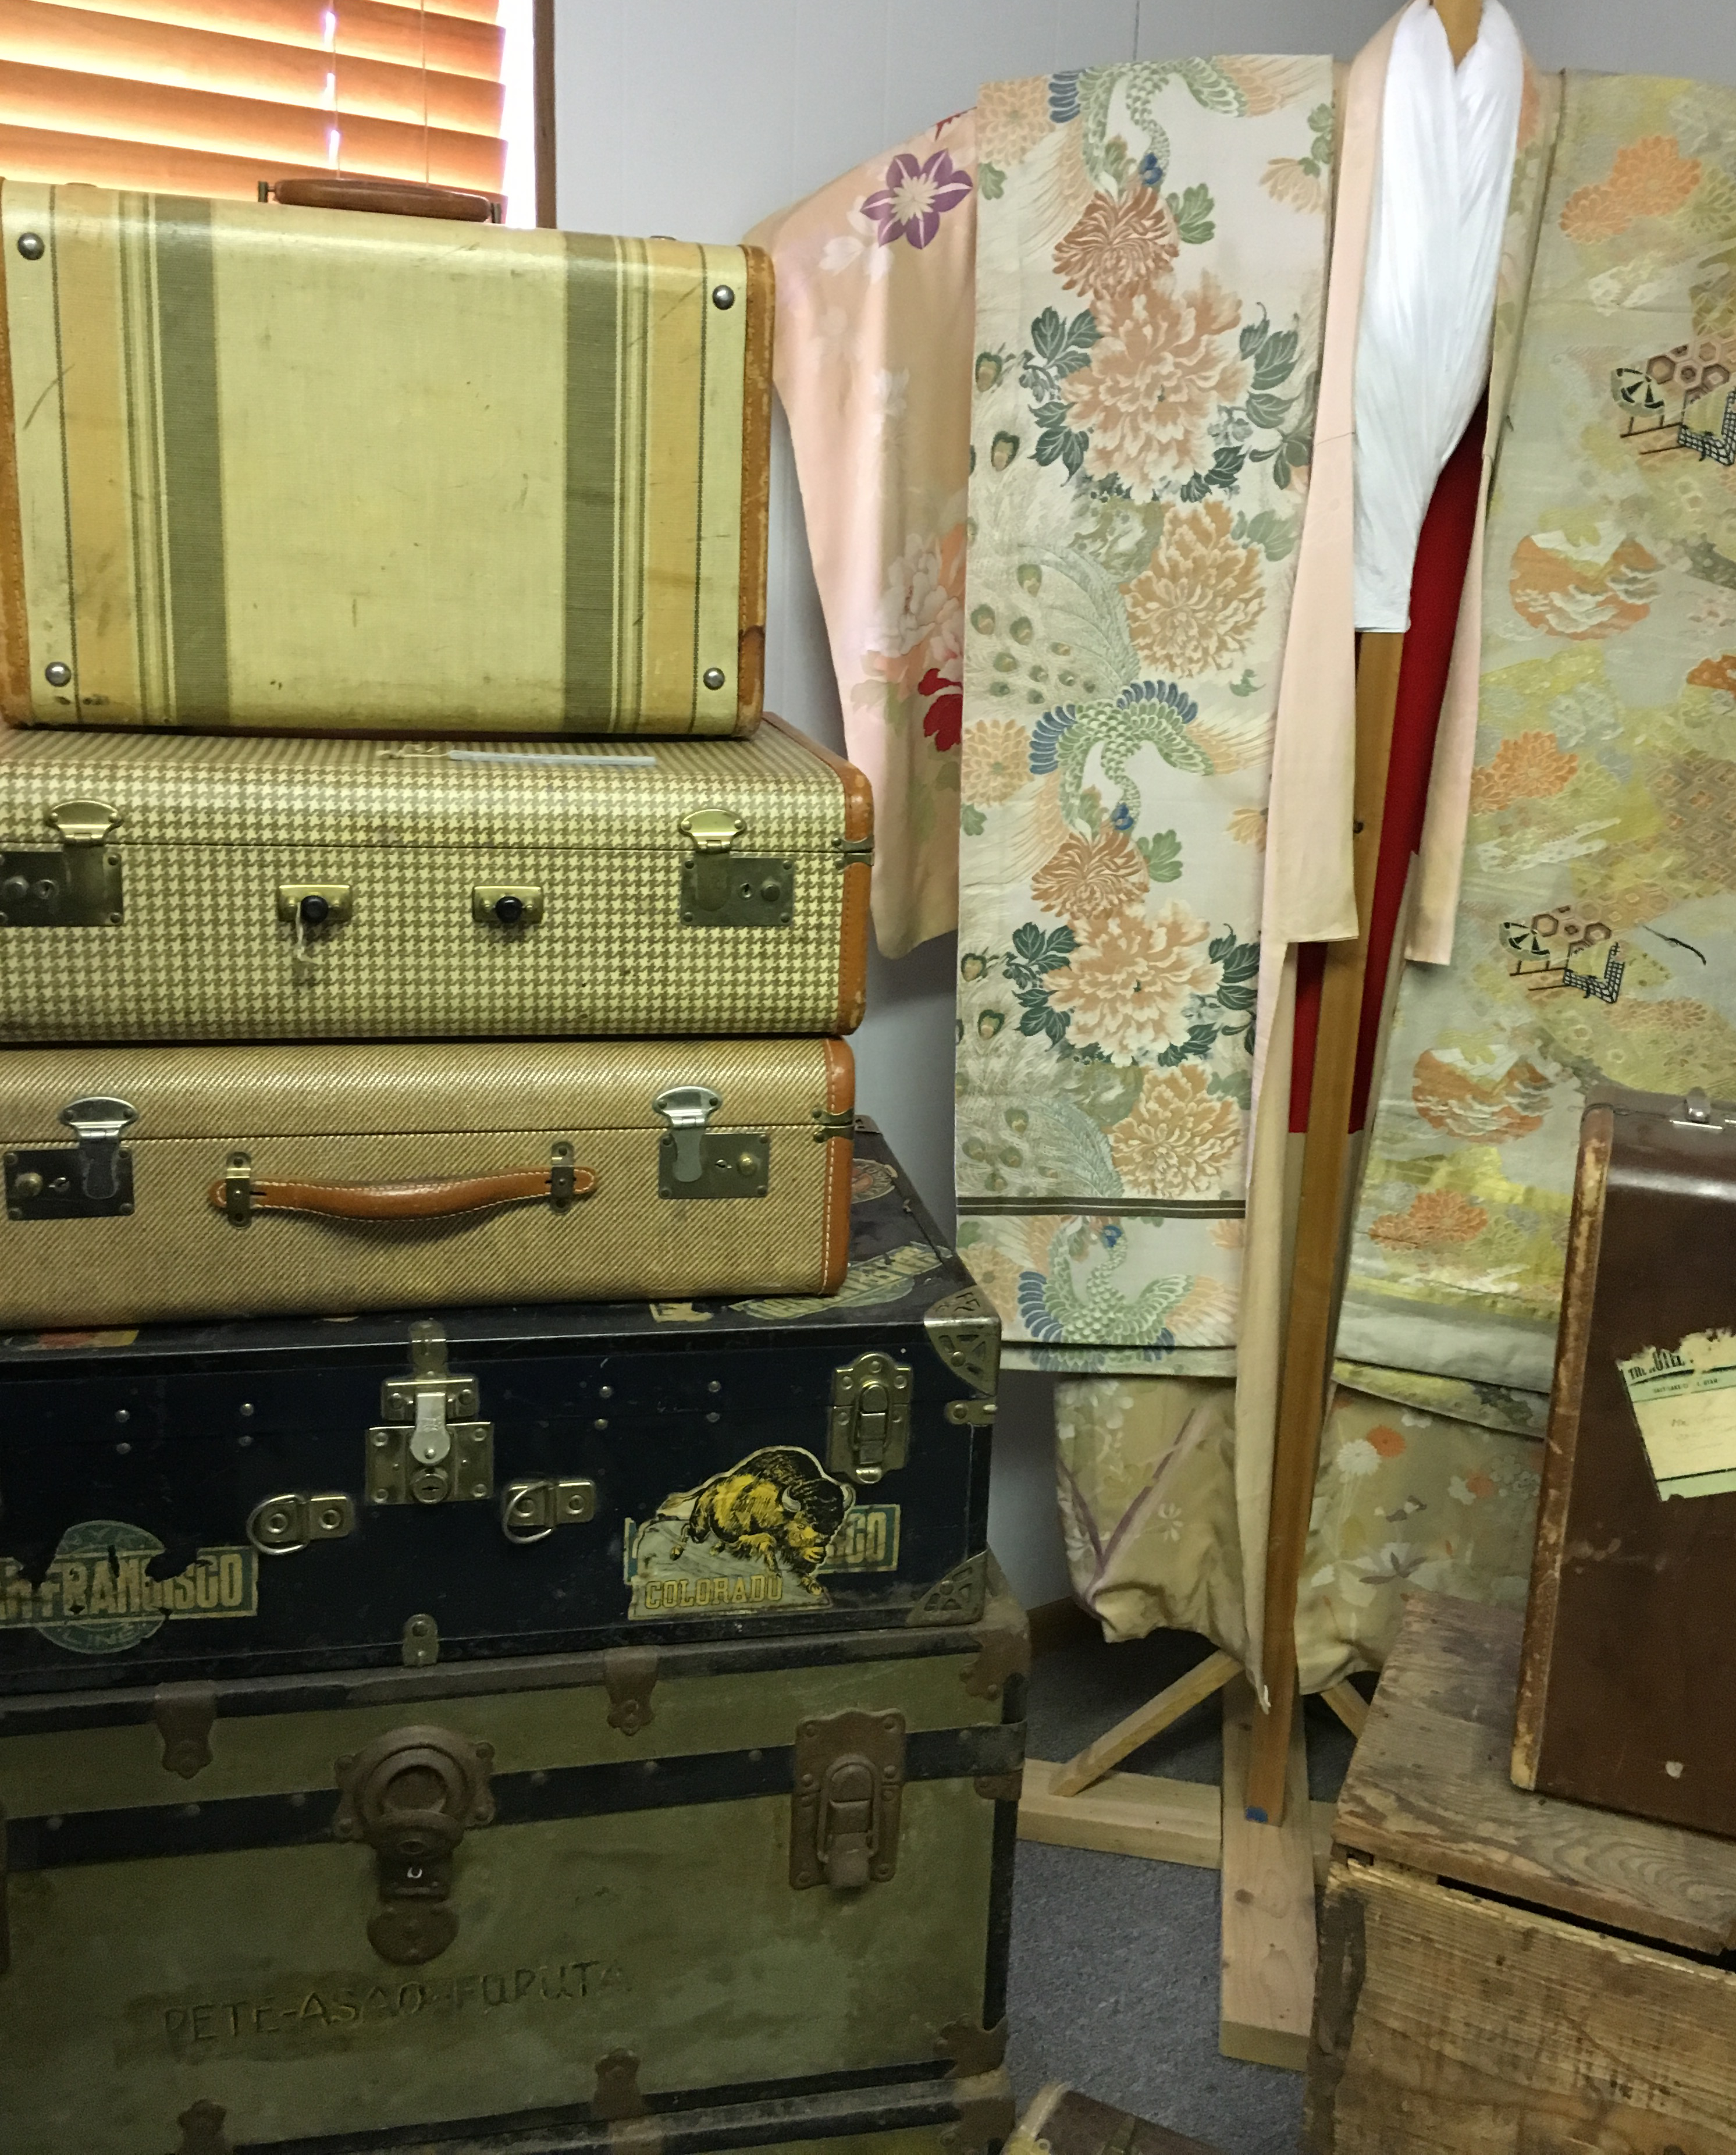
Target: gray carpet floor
x,y
1114,1977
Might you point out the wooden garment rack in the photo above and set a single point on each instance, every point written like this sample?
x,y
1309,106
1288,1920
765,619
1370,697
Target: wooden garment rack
x,y
1260,1829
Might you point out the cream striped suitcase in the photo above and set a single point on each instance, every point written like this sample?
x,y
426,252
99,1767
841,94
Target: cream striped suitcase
x,y
327,470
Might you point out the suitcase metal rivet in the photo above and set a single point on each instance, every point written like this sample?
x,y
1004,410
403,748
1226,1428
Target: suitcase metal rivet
x,y
607,1391
713,677
57,673
31,246
722,296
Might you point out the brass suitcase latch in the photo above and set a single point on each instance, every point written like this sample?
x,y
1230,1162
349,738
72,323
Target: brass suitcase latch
x,y
93,1180
870,1433
75,885
723,888
693,1161
428,1446
412,1795
844,1812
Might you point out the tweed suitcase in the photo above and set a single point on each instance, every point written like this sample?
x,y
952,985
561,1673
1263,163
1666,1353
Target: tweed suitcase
x,y
322,469
1627,1685
158,888
184,1504
152,1183
488,1906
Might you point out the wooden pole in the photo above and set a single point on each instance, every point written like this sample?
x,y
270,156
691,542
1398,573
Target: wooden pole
x,y
1308,1332
1313,1279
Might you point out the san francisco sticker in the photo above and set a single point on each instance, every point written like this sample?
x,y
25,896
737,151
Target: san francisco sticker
x,y
98,1597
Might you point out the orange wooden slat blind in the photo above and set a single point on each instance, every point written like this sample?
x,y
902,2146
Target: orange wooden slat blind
x,y
211,96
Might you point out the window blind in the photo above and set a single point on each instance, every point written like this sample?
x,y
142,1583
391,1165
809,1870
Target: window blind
x,y
211,96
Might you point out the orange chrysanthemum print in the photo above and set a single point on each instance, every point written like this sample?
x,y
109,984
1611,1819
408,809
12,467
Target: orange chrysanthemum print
x,y
1431,1217
1582,591
1719,672
1649,178
1481,1110
1088,878
997,760
1011,119
1128,985
1386,1441
1163,366
1181,1139
1530,766
1199,599
1121,244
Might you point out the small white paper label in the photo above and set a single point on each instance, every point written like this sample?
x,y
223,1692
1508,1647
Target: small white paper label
x,y
1684,1401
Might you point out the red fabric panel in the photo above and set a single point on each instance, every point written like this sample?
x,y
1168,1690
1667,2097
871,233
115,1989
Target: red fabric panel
x,y
1436,585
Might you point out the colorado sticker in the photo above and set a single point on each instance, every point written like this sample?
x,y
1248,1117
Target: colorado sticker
x,y
752,1540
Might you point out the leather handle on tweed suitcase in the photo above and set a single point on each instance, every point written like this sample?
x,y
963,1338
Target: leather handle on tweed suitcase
x,y
241,1194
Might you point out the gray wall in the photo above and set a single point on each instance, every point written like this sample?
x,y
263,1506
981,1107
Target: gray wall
x,y
698,117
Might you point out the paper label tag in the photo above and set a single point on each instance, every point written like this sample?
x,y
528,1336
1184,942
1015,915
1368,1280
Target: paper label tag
x,y
1684,1401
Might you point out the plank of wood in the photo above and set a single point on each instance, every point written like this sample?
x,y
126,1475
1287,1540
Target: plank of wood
x,y
1312,1316
1349,1704
1142,1814
1266,2002
1430,1787
1451,2025
1125,1815
1150,1720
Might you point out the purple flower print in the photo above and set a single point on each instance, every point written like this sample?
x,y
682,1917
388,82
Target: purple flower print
x,y
915,198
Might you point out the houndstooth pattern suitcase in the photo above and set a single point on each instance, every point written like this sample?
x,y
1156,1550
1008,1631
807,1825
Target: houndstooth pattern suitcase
x,y
174,888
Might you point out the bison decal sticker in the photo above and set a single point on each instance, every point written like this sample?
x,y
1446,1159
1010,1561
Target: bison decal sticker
x,y
751,1539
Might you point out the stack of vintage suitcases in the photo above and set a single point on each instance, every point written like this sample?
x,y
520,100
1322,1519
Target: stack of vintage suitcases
x,y
527,1718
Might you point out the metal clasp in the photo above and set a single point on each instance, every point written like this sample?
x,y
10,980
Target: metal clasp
x,y
870,1425
279,1526
412,1795
530,1511
79,886
849,1772
721,888
99,1123
687,1109
429,1447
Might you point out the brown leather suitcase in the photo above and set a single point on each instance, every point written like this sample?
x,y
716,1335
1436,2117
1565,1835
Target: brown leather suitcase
x,y
145,1184
1627,1688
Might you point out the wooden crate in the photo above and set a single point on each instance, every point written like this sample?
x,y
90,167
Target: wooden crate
x,y
1502,1972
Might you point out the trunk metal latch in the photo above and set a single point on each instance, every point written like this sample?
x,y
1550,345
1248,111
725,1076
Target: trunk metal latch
x,y
429,1447
844,1811
92,1181
869,1431
693,1161
410,1795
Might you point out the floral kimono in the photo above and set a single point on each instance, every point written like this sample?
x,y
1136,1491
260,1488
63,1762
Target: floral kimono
x,y
872,364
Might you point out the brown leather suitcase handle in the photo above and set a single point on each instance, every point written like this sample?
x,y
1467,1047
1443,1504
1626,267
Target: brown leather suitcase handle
x,y
385,198
436,1198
